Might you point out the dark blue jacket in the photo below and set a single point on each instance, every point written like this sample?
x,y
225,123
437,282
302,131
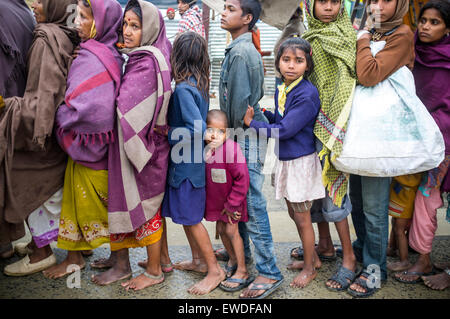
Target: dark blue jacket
x,y
187,121
294,131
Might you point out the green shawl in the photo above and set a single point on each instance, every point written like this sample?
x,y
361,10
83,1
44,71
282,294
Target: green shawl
x,y
334,55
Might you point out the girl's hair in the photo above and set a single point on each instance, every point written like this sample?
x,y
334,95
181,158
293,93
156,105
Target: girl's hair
x,y
294,43
443,6
190,57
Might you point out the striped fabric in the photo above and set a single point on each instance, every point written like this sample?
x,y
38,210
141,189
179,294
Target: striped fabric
x,y
191,20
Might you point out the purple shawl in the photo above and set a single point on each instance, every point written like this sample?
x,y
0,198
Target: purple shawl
x,y
431,75
137,165
85,122
16,35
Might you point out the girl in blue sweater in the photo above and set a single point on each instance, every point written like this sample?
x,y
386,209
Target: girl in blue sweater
x,y
297,175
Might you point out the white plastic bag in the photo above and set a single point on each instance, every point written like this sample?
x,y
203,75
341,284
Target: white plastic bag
x,y
390,132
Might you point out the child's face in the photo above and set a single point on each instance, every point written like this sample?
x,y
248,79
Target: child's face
x,y
383,10
232,18
292,65
132,30
431,27
326,10
216,131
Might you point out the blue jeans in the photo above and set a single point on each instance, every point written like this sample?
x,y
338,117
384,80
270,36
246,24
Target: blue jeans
x,y
258,226
370,200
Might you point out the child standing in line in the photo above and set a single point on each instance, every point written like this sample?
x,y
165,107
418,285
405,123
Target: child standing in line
x,y
371,220
297,174
401,207
186,176
227,183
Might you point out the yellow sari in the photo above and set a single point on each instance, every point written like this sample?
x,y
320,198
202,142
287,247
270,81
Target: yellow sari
x,y
84,215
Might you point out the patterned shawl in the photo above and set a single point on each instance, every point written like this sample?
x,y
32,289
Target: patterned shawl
x,y
138,162
334,55
87,117
32,163
16,35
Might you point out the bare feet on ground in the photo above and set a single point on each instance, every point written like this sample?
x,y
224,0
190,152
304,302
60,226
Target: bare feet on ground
x,y
114,274
209,283
196,265
300,264
437,282
303,279
66,267
142,282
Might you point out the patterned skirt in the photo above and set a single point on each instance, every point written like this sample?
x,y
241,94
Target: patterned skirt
x,y
83,223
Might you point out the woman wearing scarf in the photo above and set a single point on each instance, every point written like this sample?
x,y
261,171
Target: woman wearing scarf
x,y
333,42
370,195
33,164
16,35
84,125
138,161
431,70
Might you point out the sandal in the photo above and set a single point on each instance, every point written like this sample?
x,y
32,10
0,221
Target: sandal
x,y
413,273
242,283
344,277
230,270
300,255
167,268
222,255
269,288
363,283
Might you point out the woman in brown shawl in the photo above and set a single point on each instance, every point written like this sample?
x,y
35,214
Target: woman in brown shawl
x,y
32,163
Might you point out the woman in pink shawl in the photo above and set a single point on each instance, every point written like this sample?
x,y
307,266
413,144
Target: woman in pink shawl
x,y
84,130
138,161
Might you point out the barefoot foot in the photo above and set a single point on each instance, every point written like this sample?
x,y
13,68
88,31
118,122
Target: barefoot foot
x,y
437,282
192,265
143,281
209,283
303,278
295,265
66,267
112,275
399,265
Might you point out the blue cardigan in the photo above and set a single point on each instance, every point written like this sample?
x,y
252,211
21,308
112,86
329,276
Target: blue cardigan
x,y
295,136
187,121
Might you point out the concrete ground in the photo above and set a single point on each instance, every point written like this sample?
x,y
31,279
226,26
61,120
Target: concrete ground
x,y
175,285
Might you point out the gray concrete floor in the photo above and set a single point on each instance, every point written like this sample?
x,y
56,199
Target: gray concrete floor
x,y
175,285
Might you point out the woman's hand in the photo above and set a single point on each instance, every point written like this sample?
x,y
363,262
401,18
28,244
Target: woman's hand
x,y
248,118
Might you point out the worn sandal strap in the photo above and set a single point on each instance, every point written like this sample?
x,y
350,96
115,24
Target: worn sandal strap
x,y
237,280
261,286
343,276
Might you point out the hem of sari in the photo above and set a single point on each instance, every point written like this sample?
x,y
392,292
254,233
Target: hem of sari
x,y
82,245
132,242
46,239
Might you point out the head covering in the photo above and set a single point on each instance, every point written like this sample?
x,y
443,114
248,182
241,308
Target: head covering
x,y
136,189
395,21
35,170
334,54
92,87
431,70
171,10
16,35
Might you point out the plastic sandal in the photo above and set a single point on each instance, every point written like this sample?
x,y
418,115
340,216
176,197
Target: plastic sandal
x,y
242,283
344,277
269,288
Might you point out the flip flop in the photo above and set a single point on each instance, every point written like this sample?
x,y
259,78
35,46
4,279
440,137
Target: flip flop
x,y
363,284
230,269
269,288
413,273
322,257
242,283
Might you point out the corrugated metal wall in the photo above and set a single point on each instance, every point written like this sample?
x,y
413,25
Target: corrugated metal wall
x,y
218,42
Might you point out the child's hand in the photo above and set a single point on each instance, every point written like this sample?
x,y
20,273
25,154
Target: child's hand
x,y
234,215
248,118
